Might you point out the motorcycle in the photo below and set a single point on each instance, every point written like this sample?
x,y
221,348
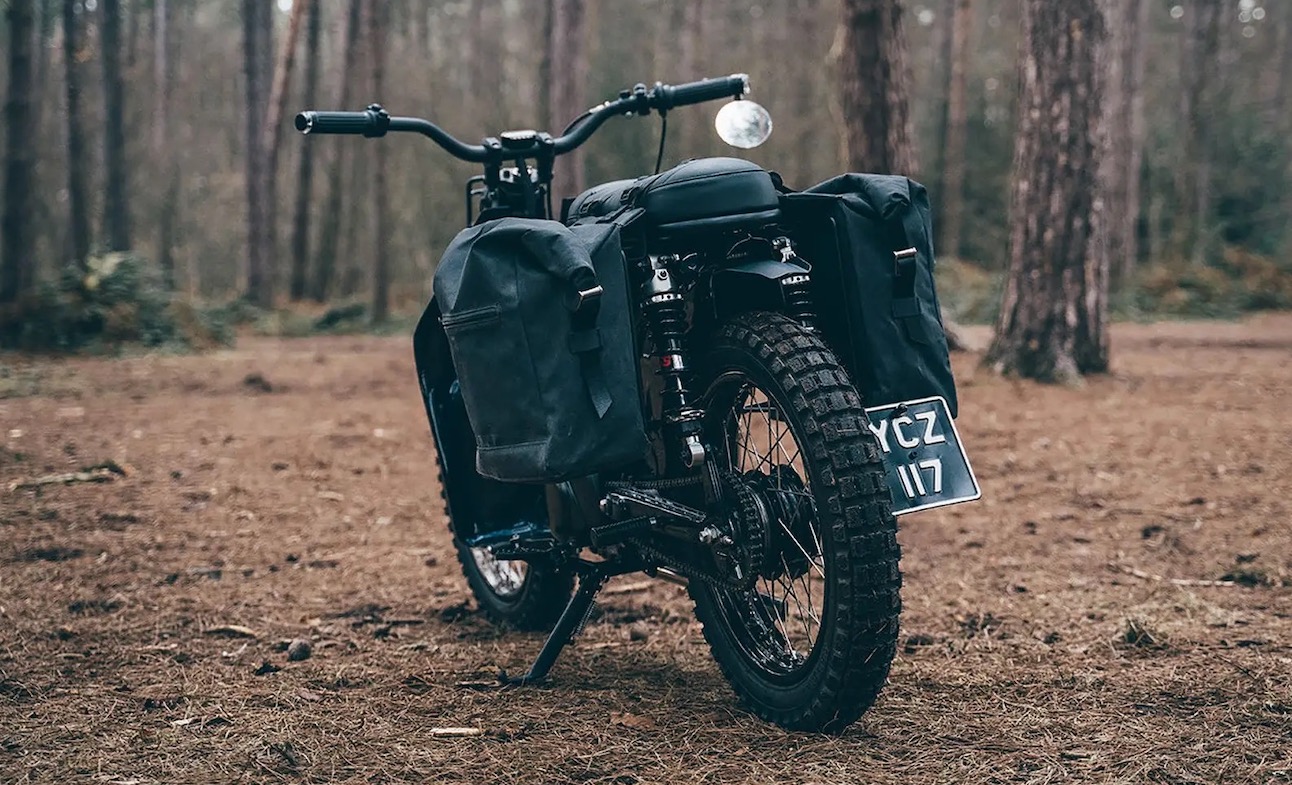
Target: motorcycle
x,y
770,490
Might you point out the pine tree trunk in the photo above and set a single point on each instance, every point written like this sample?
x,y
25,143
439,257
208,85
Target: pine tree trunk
x,y
257,25
874,88
77,162
49,15
381,198
953,172
116,206
567,53
17,263
132,33
1053,319
1199,61
305,170
330,230
690,40
359,191
163,92
1283,108
1123,123
272,130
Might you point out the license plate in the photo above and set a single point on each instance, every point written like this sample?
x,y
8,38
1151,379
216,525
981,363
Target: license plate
x,y
927,466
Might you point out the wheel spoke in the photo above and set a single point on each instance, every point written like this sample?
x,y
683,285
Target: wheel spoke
x,y
783,614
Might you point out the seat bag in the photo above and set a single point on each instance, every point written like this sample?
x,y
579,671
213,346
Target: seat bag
x,y
705,192
538,323
869,239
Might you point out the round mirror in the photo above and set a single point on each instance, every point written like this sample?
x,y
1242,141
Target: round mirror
x,y
743,124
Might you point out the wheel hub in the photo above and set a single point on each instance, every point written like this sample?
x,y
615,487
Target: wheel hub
x,y
744,536
791,541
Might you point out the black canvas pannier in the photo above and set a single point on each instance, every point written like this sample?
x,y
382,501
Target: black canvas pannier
x,y
540,330
869,239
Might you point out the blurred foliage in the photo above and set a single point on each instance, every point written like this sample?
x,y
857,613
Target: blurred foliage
x,y
1243,281
118,300
968,293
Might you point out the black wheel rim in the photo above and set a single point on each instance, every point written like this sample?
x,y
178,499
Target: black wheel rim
x,y
777,624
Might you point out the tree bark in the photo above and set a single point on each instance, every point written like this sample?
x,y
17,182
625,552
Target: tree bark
x,y
77,162
1122,157
953,172
377,20
257,28
690,39
874,88
330,231
16,237
132,33
567,53
1283,110
305,169
163,92
1053,319
359,191
272,130
1199,61
49,16
116,206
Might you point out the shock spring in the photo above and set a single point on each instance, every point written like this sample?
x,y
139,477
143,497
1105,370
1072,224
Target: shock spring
x,y
665,310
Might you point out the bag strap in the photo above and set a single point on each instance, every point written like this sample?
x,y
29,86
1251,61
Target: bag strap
x,y
906,267
556,250
585,342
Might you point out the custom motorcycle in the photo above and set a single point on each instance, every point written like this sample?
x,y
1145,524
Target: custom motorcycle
x,y
768,488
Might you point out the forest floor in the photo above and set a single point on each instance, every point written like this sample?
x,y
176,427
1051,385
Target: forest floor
x,y
1118,607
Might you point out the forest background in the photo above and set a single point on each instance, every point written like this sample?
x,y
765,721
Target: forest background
x,y
143,114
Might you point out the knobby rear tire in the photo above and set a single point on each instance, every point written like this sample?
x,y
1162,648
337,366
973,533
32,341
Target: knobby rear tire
x,y
857,635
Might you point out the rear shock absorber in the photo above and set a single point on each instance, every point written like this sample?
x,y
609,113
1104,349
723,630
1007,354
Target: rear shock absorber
x,y
665,310
796,287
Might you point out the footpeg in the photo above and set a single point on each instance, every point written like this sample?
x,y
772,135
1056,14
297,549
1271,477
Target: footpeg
x,y
620,531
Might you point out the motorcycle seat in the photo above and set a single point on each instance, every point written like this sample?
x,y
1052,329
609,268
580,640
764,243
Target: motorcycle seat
x,y
705,194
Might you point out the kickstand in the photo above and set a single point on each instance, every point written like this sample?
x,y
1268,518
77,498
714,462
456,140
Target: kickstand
x,y
591,577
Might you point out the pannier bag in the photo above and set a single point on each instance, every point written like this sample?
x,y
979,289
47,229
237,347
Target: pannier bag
x,y
869,239
540,330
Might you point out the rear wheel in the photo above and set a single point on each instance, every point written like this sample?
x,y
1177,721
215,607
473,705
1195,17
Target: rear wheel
x,y
809,645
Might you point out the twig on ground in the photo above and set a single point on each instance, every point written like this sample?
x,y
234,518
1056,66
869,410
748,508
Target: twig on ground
x,y
107,471
451,733
1148,576
628,588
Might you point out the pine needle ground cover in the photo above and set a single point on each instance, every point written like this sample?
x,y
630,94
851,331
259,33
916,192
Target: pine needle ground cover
x,y
263,590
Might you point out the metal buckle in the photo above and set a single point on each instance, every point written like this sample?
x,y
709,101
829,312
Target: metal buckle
x,y
902,256
588,294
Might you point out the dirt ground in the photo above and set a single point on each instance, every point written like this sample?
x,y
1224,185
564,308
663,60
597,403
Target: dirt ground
x,y
1117,608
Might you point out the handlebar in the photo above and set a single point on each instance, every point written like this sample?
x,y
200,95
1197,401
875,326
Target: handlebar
x,y
376,122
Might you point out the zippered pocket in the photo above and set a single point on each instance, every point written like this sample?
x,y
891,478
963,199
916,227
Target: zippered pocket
x,y
488,313
494,365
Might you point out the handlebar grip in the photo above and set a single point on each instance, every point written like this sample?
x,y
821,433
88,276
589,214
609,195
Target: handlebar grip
x,y
373,122
732,86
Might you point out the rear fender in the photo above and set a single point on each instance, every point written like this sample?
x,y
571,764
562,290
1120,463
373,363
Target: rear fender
x,y
755,285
